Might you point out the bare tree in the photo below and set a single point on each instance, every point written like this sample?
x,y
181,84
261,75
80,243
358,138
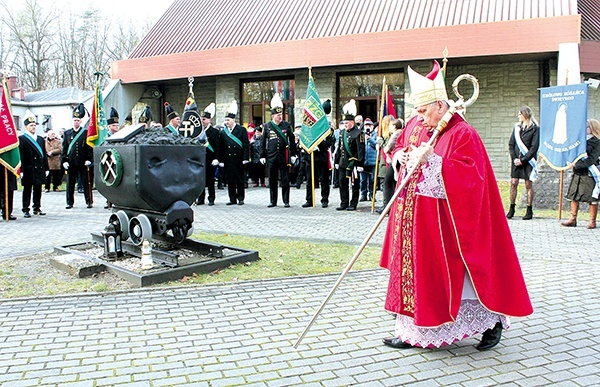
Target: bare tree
x,y
31,32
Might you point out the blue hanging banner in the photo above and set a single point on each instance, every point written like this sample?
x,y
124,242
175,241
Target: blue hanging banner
x,y
563,122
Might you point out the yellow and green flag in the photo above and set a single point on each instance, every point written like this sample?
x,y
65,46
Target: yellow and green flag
x,y
315,127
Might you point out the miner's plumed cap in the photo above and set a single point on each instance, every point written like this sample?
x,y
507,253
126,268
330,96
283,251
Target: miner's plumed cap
x,y
427,89
327,106
349,111
276,104
232,109
128,119
146,115
29,118
209,111
170,112
114,117
79,111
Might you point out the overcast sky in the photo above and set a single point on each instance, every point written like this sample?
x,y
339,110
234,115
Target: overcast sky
x,y
130,10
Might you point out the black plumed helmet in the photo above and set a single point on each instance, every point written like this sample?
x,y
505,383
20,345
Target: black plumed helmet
x,y
327,106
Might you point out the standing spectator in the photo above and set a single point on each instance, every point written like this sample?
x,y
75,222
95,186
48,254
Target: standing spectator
x,y
53,148
523,147
212,152
278,152
349,158
257,169
336,136
77,158
234,150
113,122
321,168
7,202
34,166
366,176
585,182
173,118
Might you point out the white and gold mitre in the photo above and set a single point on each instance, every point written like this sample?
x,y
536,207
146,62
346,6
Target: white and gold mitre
x,y
427,89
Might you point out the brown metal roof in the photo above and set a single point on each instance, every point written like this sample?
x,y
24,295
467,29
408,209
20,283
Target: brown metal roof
x,y
199,25
590,19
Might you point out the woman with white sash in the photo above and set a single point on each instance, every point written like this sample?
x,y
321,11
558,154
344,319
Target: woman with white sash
x,y
585,182
523,147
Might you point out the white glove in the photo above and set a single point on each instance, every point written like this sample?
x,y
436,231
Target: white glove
x,y
398,160
245,162
316,149
337,166
87,163
21,175
215,162
221,165
66,165
293,159
263,160
47,173
360,169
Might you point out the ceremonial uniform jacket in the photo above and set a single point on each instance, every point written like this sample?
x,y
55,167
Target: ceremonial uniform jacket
x,y
212,138
80,151
34,162
229,151
355,155
321,155
274,148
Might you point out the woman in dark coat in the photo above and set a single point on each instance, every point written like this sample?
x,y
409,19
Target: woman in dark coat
x,y
581,188
523,147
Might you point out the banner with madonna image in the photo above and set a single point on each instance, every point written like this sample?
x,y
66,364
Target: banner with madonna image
x,y
563,122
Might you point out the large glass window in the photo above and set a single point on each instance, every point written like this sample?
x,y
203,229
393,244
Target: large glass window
x,y
365,89
256,97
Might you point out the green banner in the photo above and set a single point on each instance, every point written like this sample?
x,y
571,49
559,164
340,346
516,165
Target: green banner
x,y
315,127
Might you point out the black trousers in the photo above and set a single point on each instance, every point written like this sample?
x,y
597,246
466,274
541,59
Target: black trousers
x,y
346,179
209,184
278,171
4,201
321,177
234,174
54,178
72,173
389,185
37,196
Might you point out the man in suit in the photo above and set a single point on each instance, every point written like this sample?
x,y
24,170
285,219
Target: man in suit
x,y
234,153
278,152
34,166
77,158
211,135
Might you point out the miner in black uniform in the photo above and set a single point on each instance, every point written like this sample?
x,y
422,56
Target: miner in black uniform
x,y
34,166
234,153
211,135
321,168
278,151
349,158
77,157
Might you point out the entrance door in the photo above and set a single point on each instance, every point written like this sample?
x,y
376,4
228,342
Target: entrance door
x,y
367,108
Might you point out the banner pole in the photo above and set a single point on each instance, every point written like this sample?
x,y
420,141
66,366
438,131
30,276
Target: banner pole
x,y
312,177
6,214
560,194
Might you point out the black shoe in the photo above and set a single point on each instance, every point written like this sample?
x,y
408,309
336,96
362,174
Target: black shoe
x,y
90,205
395,342
230,203
306,205
80,190
490,338
27,215
511,212
351,208
240,202
12,217
69,206
324,204
341,208
528,213
362,199
38,212
286,205
211,203
272,205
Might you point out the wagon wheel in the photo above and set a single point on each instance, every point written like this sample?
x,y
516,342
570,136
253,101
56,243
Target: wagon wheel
x,y
121,222
140,228
180,233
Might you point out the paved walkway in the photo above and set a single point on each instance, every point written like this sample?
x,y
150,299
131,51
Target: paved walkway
x,y
242,333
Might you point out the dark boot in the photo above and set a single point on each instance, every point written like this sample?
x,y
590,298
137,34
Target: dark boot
x,y
511,212
593,214
528,213
490,338
572,222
